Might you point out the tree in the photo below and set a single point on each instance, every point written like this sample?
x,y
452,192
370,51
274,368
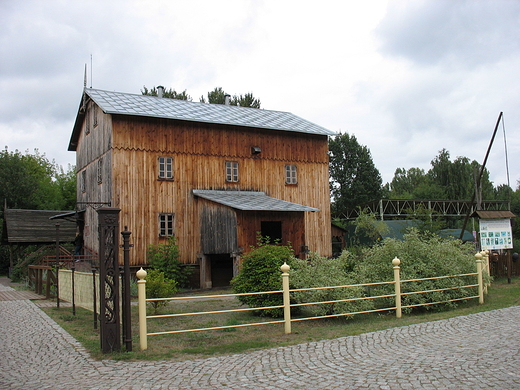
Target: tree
x,y
168,93
218,96
405,182
446,180
31,181
248,100
354,179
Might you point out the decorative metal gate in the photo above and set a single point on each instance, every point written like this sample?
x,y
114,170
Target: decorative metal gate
x,y
110,330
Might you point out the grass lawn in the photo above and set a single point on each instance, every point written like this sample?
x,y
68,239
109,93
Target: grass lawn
x,y
201,344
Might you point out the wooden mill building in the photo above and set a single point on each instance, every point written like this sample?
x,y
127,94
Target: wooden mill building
x,y
215,176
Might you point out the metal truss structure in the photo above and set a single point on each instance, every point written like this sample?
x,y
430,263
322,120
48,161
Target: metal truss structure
x,y
404,208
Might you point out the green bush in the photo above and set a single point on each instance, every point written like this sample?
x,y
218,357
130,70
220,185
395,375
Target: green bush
x,y
165,258
320,271
422,256
158,286
260,271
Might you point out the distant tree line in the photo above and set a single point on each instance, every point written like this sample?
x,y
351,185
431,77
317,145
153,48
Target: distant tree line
x,y
217,96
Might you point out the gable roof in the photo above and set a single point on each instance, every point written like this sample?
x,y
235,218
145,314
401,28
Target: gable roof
x,y
35,226
119,103
250,201
493,214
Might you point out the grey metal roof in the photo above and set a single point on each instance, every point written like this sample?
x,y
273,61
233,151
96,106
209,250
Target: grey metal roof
x,y
251,201
152,106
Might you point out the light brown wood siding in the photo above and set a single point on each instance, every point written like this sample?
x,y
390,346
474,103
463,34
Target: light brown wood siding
x,y
131,146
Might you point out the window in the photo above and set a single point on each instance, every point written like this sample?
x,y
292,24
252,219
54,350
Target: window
x,y
232,171
100,171
291,176
165,225
165,168
84,181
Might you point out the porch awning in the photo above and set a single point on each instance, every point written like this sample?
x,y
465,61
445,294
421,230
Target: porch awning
x,y
250,201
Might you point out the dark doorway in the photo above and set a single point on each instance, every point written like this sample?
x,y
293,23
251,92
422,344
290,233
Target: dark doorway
x,y
221,269
273,230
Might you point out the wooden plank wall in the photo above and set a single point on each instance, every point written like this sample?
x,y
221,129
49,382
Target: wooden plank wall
x,y
200,152
91,148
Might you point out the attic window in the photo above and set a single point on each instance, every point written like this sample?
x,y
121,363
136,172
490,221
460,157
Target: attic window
x,y
87,122
84,181
95,113
291,174
100,171
232,171
165,168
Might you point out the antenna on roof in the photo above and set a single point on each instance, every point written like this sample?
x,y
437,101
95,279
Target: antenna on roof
x,y
91,70
85,77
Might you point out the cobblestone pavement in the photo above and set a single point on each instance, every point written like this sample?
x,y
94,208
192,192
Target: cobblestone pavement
x,y
479,351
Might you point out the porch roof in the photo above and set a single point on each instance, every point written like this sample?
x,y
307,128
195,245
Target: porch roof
x,y
250,201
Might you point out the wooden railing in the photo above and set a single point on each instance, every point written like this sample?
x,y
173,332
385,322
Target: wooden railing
x,y
482,281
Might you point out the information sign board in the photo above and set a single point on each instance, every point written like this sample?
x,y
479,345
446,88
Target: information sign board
x,y
495,234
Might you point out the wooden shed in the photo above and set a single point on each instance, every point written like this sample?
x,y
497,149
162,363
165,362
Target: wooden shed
x,y
35,227
215,176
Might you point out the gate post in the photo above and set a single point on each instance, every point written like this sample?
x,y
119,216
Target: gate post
x,y
109,329
127,313
397,279
141,297
286,298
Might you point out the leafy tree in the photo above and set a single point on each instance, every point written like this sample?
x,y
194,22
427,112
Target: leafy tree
x,y
318,271
218,96
259,272
422,256
405,183
247,100
31,181
165,258
354,179
168,93
159,286
446,180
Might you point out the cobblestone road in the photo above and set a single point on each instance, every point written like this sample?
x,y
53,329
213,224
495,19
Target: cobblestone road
x,y
480,351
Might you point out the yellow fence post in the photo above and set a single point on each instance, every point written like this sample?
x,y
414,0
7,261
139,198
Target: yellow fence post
x,y
397,280
488,270
141,299
480,279
286,297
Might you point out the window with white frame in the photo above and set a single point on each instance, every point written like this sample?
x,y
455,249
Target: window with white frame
x,y
232,171
100,171
291,174
165,168
165,224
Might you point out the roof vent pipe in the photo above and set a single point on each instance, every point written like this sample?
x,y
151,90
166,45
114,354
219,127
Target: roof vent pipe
x,y
160,91
227,99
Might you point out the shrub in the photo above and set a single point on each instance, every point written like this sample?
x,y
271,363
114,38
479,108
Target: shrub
x,y
323,272
260,271
165,258
158,286
422,256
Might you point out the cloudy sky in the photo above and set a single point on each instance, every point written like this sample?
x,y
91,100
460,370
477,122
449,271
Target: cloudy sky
x,y
406,77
